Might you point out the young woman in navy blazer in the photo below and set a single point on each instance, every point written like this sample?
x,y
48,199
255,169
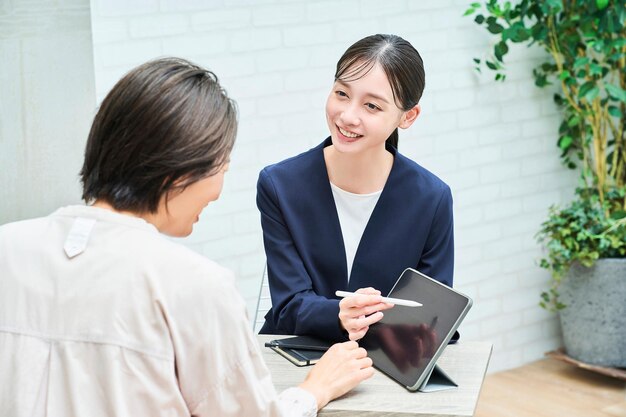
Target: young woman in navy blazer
x,y
353,213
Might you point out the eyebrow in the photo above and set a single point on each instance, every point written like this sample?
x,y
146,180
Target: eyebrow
x,y
367,94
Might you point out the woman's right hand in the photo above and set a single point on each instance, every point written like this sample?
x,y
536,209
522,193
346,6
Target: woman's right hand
x,y
358,312
343,367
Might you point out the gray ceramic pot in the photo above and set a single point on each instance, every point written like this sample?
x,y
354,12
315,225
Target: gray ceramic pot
x,y
594,321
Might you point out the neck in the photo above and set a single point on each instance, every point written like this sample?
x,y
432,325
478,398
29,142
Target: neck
x,y
362,173
149,217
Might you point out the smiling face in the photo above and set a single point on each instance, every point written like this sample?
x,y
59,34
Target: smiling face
x,y
362,113
178,213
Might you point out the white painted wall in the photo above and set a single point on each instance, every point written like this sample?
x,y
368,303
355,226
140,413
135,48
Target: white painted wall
x,y
493,143
47,98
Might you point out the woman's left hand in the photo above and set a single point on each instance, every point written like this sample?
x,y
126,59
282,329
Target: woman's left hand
x,y
358,312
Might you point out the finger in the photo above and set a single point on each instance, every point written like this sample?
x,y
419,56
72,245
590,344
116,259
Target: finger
x,y
358,335
366,321
361,375
360,353
360,312
365,300
367,373
368,290
348,319
347,346
371,309
358,363
363,363
360,300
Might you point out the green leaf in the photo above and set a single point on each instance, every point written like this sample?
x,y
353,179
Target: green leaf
x,y
585,88
476,60
595,69
558,99
619,43
472,9
479,19
573,121
495,28
616,92
517,32
582,61
618,214
564,74
546,66
565,142
592,94
602,4
541,81
539,32
491,65
500,50
615,112
598,46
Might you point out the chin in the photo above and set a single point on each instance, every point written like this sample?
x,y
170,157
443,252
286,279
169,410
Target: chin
x,y
178,233
346,146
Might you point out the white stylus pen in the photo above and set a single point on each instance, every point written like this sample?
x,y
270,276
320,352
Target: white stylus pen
x,y
396,301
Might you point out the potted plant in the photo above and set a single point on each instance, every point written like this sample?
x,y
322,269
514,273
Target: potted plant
x,y
585,41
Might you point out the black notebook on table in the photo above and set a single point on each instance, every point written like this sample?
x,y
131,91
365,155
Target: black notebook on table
x,y
299,350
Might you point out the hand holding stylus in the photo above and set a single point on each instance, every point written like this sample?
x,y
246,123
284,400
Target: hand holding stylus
x,y
359,311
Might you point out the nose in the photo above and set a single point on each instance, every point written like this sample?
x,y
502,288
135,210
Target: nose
x,y
349,116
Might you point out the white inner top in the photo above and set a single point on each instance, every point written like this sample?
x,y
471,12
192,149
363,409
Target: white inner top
x,y
354,211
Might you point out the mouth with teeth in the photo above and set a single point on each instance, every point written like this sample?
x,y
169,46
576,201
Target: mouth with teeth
x,y
348,136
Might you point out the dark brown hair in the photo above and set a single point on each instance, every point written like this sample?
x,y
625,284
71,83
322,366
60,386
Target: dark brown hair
x,y
165,124
399,60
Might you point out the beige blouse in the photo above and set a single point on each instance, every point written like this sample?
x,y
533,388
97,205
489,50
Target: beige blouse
x,y
100,315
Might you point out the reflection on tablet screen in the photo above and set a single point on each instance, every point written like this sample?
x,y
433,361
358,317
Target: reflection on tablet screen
x,y
407,341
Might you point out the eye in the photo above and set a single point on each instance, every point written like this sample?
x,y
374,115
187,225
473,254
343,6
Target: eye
x,y
341,93
372,106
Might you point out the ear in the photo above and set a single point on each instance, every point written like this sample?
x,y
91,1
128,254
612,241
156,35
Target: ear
x,y
409,117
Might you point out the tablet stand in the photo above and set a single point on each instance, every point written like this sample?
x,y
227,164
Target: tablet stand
x,y
438,380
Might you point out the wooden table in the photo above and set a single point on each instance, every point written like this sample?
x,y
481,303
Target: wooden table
x,y
465,363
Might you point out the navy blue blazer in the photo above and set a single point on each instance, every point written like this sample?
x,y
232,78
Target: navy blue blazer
x,y
411,226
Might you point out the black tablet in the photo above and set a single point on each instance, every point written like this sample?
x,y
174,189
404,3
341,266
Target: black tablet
x,y
407,342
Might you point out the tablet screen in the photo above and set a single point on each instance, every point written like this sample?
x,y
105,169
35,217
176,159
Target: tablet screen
x,y
406,343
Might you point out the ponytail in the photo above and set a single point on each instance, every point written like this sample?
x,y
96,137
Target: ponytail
x,y
392,140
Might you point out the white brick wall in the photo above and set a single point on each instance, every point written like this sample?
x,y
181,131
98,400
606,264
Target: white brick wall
x,y
493,143
47,95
